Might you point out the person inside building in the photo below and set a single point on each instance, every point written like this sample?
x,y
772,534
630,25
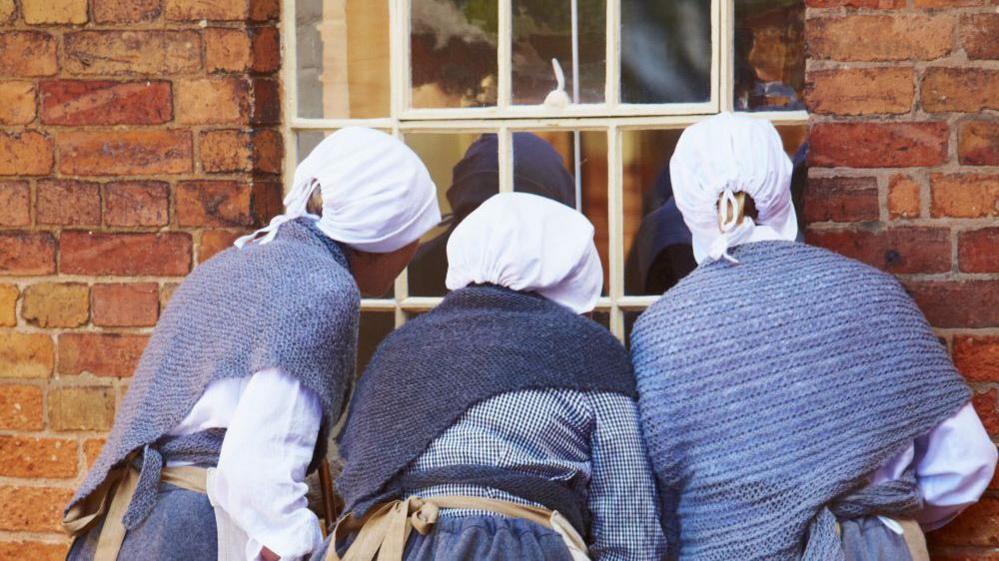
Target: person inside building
x,y
502,424
795,403
248,368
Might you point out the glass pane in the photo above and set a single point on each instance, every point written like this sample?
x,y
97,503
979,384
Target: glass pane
x,y
307,142
629,325
769,55
542,30
453,50
544,164
465,167
375,326
603,318
665,51
343,58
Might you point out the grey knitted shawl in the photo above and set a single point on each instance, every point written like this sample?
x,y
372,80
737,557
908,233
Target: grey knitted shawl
x,y
771,390
290,304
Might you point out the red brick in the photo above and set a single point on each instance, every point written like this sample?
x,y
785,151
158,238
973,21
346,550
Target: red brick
x,y
978,251
903,197
227,50
874,4
266,102
125,305
101,354
226,151
895,250
32,509
871,145
81,408
27,53
939,4
978,36
27,253
77,102
985,406
125,152
34,550
266,49
52,304
977,357
153,52
880,37
21,407
137,203
25,355
841,199
25,153
213,203
973,303
268,151
978,143
861,91
964,195
15,203
127,11
17,102
125,254
68,203
213,101
960,89
214,241
217,10
264,10
37,457
267,200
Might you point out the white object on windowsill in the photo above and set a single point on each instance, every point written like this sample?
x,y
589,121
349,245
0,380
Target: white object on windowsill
x,y
557,98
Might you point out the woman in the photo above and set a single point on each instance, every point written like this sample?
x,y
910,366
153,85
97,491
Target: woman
x,y
501,425
795,402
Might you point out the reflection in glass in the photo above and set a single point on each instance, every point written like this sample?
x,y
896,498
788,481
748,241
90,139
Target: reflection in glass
x,y
343,58
453,49
665,51
769,55
307,142
375,326
542,30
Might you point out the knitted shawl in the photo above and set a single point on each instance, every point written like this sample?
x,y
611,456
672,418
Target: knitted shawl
x,y
771,390
289,304
481,341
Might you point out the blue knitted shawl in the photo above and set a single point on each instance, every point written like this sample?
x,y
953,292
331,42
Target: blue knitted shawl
x,y
289,304
772,389
480,342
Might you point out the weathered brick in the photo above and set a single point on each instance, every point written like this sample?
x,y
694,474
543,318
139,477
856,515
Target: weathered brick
x,y
977,357
867,145
127,11
166,293
861,91
27,53
68,203
978,143
213,101
15,203
903,197
25,355
8,305
940,4
34,550
153,52
56,304
125,254
213,203
17,102
964,89
217,10
235,151
73,408
964,195
266,102
7,12
125,305
92,449
21,407
214,241
978,251
875,4
25,153
227,50
266,49
78,102
268,151
841,199
37,457
32,509
985,405
970,304
265,10
895,250
125,152
880,37
27,253
267,200
978,525
978,36
137,203
54,11
101,354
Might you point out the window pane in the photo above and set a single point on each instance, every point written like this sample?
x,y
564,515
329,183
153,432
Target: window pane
x,y
466,170
630,317
544,164
307,142
769,55
453,49
375,326
542,30
603,318
665,51
343,58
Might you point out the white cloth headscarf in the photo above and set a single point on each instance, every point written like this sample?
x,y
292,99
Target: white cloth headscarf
x,y
531,244
715,159
377,194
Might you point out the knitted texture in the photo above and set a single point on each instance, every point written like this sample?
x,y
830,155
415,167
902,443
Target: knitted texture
x,y
771,390
480,342
290,304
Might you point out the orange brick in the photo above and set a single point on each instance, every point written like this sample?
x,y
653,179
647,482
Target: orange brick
x,y
25,153
978,36
212,101
79,102
56,304
264,10
15,203
978,143
213,203
964,195
7,12
152,52
226,151
37,457
68,203
27,253
166,293
27,53
880,37
227,50
21,408
127,11
81,408
960,89
266,102
876,4
33,550
126,152
17,102
126,305
978,250
895,250
266,49
125,254
24,355
861,91
101,354
218,10
841,199
977,357
939,4
32,509
8,305
137,203
872,145
92,449
214,241
54,11
903,197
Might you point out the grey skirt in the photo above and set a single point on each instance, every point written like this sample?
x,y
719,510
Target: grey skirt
x,y
181,527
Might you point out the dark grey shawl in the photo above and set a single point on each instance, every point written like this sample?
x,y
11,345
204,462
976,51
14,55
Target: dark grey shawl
x,y
772,389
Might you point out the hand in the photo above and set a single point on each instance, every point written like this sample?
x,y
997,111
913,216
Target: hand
x,y
268,555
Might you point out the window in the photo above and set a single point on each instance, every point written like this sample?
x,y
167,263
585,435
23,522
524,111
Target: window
x,y
462,78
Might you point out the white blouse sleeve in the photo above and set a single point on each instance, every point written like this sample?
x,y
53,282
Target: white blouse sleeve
x,y
260,481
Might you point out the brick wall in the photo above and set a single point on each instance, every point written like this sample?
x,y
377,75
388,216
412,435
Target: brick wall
x,y
905,176
137,138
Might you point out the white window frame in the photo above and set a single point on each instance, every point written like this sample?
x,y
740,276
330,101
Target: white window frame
x,y
611,117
